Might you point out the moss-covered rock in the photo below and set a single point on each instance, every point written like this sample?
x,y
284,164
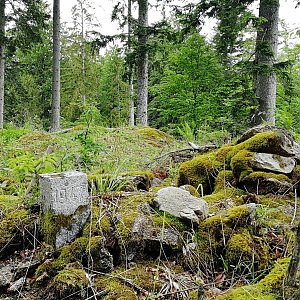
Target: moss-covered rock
x,y
83,250
200,172
72,280
141,231
243,249
224,180
232,240
270,287
266,182
154,136
264,142
13,224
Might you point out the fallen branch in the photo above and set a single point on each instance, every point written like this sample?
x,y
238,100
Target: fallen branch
x,y
193,148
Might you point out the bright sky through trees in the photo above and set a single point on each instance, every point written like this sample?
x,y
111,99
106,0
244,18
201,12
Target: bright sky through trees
x,y
103,10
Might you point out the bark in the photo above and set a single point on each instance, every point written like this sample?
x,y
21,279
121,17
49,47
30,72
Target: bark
x,y
2,59
55,122
82,46
266,55
142,64
130,68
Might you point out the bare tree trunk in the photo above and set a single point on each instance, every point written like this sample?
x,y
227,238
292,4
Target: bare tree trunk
x,y
130,67
83,95
142,64
2,59
55,122
266,55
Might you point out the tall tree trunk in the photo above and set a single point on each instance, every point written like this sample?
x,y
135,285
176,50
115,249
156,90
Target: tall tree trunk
x,y
2,59
142,64
130,67
82,46
266,55
55,122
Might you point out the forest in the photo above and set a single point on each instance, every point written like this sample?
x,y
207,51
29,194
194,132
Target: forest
x,y
194,86
157,162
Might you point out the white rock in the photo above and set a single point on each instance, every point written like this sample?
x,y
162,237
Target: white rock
x,y
181,204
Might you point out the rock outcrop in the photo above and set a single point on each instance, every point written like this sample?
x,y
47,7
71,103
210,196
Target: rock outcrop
x,y
263,161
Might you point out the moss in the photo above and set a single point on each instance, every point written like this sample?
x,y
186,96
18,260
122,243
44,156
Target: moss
x,y
34,136
255,176
234,217
265,142
116,290
69,281
78,251
154,136
11,229
165,219
193,295
241,164
222,153
216,231
8,185
269,288
193,191
51,224
266,182
224,179
99,224
201,170
129,211
221,199
9,203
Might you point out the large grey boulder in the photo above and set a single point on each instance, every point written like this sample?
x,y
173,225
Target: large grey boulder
x,y
282,143
273,163
66,196
181,204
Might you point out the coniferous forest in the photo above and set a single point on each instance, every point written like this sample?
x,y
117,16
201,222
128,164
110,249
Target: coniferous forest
x,y
186,145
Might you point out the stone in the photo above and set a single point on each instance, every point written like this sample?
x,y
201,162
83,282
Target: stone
x,y
6,277
63,193
68,234
17,285
273,163
181,204
148,239
263,183
285,144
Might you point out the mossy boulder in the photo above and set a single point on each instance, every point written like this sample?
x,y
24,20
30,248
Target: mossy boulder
x,y
231,235
141,231
72,280
154,136
15,220
266,182
244,249
269,288
200,172
82,250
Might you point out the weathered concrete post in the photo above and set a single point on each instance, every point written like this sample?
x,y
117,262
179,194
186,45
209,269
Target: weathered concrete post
x,y
65,204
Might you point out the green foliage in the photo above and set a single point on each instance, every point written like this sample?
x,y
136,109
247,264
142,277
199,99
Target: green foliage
x,y
188,92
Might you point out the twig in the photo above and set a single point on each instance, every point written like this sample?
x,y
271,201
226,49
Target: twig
x,y
295,208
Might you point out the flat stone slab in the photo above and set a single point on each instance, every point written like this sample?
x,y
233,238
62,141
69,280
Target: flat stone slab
x,y
273,162
63,193
181,204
